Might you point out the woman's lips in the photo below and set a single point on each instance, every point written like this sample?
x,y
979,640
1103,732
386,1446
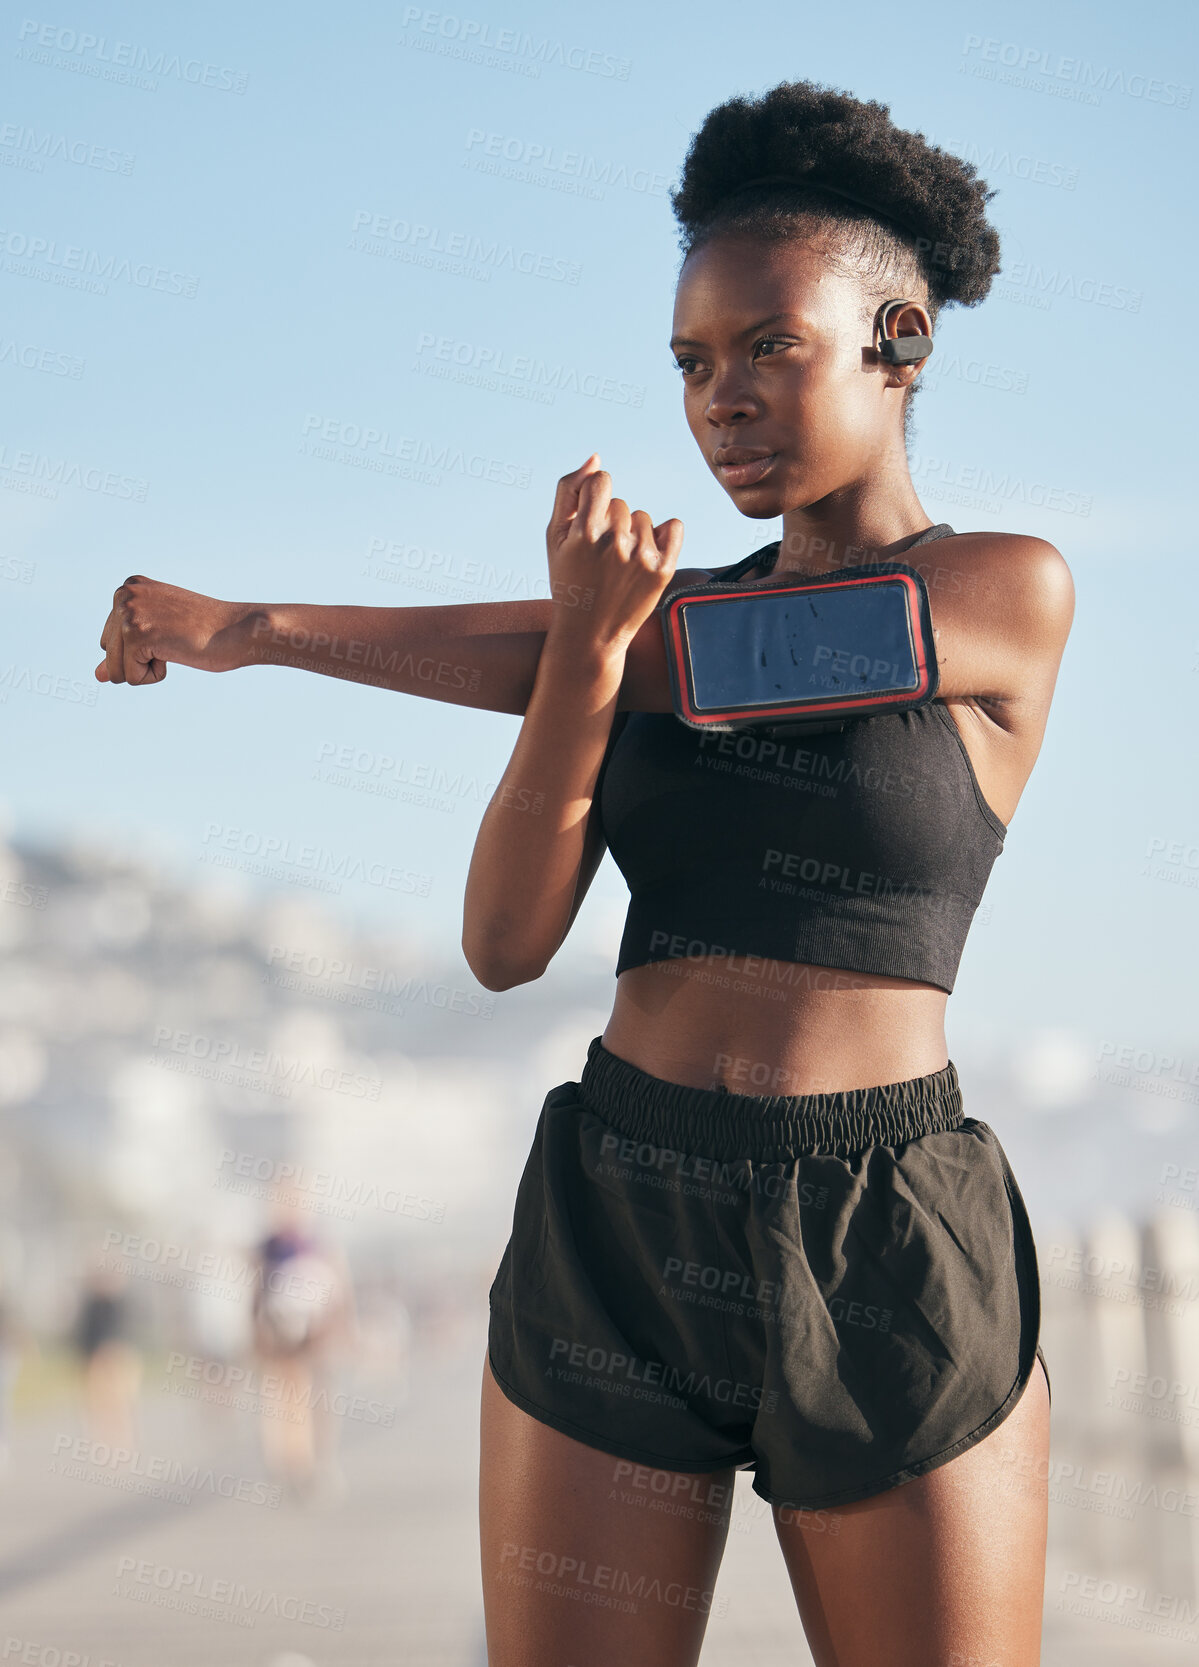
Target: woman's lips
x,y
746,474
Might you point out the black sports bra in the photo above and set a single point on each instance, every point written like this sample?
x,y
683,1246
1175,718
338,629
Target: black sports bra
x,y
866,848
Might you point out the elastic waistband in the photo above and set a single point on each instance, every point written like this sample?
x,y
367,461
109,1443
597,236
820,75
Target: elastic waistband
x,y
767,1128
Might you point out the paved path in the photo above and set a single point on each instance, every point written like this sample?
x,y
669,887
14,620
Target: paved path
x,y
90,1568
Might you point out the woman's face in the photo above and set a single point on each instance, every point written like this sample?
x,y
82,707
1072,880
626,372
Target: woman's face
x,y
776,355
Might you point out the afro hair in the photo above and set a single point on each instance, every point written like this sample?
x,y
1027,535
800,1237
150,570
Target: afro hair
x,y
927,217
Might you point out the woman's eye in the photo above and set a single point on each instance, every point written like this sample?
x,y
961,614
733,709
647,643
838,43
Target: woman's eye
x,y
685,360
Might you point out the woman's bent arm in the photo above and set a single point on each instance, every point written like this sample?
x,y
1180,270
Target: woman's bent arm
x,y
524,871
608,567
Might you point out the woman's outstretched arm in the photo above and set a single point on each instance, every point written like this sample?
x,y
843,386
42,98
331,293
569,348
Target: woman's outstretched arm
x,y
482,654
473,654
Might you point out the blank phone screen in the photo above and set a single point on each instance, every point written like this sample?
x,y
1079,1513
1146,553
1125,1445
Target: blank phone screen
x,y
828,644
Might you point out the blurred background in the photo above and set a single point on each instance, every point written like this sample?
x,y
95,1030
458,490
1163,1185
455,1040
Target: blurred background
x,y
260,1128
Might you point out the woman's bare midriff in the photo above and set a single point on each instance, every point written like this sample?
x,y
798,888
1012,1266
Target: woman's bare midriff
x,y
758,1026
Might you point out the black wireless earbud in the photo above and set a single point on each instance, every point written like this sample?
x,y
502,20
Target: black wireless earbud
x,y
900,350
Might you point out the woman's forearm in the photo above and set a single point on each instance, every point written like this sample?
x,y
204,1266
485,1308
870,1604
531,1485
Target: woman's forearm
x,y
520,887
481,654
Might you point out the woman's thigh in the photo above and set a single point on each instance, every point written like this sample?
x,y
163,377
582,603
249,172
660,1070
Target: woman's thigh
x,y
588,1560
944,1571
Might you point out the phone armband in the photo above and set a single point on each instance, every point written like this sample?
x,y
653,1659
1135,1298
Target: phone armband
x,y
801,654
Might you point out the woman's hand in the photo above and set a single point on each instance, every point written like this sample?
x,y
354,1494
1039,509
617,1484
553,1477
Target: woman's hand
x,y
152,623
608,567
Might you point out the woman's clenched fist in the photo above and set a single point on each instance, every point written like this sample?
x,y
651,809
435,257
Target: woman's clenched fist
x,y
608,566
152,625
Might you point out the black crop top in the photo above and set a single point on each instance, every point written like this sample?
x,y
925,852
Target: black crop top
x,y
866,848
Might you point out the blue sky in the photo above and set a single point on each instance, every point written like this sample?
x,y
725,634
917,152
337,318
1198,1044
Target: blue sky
x,y
274,164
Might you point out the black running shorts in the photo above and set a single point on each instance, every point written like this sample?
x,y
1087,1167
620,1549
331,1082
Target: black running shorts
x,y
836,1291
